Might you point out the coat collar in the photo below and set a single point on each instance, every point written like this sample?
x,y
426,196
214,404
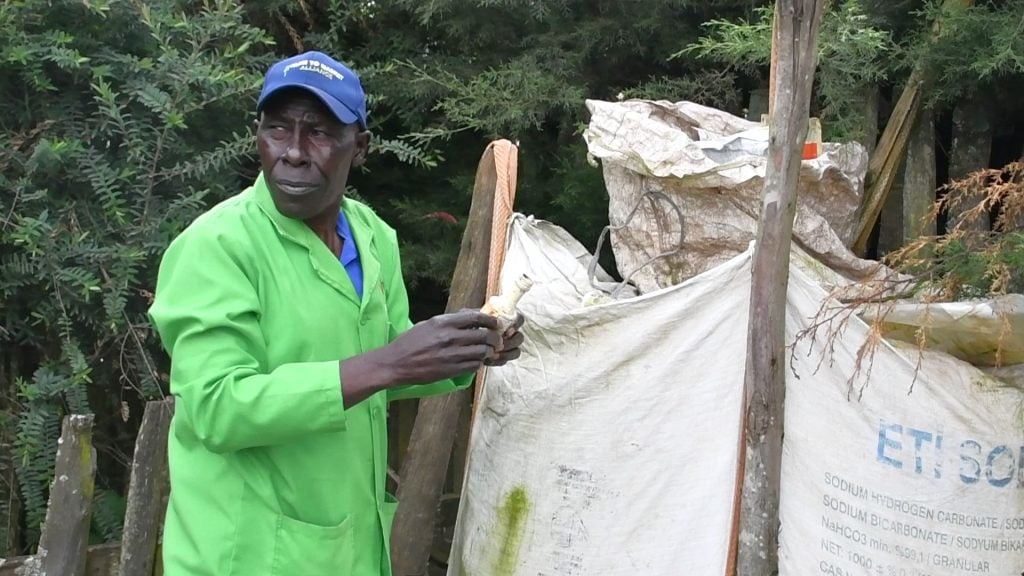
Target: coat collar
x,y
326,265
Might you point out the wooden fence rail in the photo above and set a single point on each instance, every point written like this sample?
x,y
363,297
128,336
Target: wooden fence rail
x,y
63,549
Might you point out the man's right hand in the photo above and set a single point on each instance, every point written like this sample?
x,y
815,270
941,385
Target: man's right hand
x,y
442,347
445,346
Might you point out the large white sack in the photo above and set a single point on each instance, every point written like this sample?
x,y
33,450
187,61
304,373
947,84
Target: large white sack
x,y
894,475
984,332
610,446
711,164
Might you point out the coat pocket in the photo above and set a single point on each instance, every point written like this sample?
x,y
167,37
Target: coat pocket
x,y
312,550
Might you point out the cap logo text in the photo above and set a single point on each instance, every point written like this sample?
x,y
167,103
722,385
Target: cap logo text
x,y
314,66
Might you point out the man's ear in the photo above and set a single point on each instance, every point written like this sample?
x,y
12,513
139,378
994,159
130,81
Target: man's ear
x,y
256,124
362,147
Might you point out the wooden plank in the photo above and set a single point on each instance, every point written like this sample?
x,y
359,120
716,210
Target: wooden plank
x,y
423,471
506,158
460,452
102,560
756,540
890,220
406,420
883,168
148,490
65,537
969,152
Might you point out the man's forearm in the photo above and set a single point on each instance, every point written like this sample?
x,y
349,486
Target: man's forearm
x,y
438,349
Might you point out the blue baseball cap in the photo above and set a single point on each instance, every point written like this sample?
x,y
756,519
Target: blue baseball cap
x,y
335,84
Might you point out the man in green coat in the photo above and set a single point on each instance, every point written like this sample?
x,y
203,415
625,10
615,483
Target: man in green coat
x,y
286,319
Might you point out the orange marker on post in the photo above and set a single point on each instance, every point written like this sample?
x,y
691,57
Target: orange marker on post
x,y
812,145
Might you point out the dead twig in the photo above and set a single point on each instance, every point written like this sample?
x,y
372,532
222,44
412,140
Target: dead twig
x,y
962,263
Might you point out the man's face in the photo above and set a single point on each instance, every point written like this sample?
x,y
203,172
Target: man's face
x,y
306,154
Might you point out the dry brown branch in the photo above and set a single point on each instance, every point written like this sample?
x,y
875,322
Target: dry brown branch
x,y
839,309
961,264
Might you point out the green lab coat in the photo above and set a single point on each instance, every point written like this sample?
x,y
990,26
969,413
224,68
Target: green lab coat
x,y
270,474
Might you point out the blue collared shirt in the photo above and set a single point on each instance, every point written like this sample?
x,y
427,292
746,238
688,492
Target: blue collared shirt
x,y
350,254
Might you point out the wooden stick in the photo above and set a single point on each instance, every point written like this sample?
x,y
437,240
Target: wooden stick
x,y
148,490
422,475
506,160
506,179
797,23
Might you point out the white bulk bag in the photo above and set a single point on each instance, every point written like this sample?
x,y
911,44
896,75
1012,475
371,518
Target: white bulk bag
x,y
610,446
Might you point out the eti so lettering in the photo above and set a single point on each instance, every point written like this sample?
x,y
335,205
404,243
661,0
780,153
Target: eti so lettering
x,y
970,461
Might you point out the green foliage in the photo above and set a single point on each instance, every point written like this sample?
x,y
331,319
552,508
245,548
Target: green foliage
x,y
745,43
515,98
969,260
35,444
852,55
970,270
979,48
715,88
119,121
409,150
967,51
108,508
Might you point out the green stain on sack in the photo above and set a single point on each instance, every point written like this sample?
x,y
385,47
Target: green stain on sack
x,y
512,525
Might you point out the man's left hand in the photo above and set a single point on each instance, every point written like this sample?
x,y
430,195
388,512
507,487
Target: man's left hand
x,y
511,340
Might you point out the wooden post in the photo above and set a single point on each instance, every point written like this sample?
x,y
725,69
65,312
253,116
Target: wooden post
x,y
890,221
797,22
404,424
422,475
919,180
969,152
148,490
460,453
869,136
913,190
64,543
